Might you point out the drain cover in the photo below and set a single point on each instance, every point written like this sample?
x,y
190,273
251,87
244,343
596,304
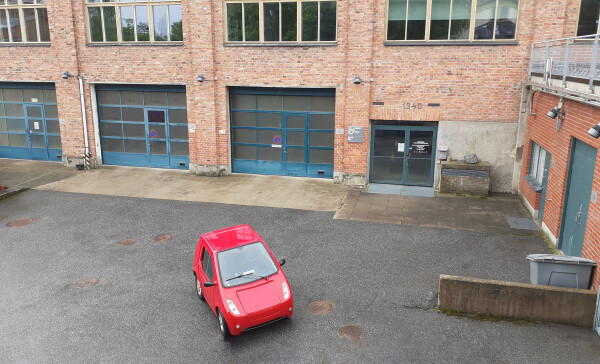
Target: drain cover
x,y
163,237
350,332
87,282
522,223
126,242
20,222
321,307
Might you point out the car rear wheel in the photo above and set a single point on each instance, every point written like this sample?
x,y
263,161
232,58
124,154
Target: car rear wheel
x,y
223,325
199,289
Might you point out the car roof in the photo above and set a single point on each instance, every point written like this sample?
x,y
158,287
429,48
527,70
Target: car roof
x,y
231,237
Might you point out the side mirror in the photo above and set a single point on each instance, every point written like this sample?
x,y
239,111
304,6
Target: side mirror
x,y
282,261
209,284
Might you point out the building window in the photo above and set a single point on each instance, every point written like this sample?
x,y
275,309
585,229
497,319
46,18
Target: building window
x,y
281,21
536,165
24,21
452,20
589,13
126,21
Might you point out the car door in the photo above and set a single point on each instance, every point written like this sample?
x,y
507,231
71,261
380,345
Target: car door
x,y
207,274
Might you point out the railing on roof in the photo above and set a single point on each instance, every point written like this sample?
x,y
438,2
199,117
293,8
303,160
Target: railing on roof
x,y
570,59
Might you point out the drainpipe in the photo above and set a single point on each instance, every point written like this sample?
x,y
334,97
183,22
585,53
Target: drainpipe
x,y
86,156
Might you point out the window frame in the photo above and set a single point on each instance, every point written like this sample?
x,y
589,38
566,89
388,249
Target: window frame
x,y
537,156
39,4
118,4
472,23
261,22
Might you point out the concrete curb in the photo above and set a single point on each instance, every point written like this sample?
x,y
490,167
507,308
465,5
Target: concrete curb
x,y
11,192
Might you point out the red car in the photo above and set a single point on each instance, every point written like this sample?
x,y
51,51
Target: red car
x,y
240,279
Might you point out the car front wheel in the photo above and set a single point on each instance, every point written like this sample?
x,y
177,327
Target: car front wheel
x,y
199,289
223,325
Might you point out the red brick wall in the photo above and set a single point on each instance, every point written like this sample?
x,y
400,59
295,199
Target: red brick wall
x,y
579,118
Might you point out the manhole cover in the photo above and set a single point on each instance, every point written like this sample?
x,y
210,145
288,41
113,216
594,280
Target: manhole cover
x,y
20,222
87,282
321,307
350,332
163,237
126,242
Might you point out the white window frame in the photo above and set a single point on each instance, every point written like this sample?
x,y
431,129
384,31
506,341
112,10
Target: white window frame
x,y
118,4
537,162
261,21
38,4
472,23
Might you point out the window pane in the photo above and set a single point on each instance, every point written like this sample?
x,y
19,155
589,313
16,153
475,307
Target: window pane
x,y
177,99
43,23
133,114
461,19
160,23
320,121
397,20
158,147
269,154
50,96
271,21
322,156
110,113
244,152
95,24
51,112
239,118
175,23
54,142
251,21
484,23
535,152
155,98
37,141
289,24
178,132
269,102
112,145
13,94
15,125
14,110
3,26
156,116
127,28
243,102
440,19
34,112
295,103
17,140
52,127
295,138
234,22
36,126
3,139
328,21
32,95
415,26
588,17
110,24
111,129
178,148
320,139
269,120
134,130
268,136
295,122
178,116
322,103
540,168
141,18
244,136
1,109
159,130
109,97
135,146
310,21
15,25
30,27
295,155
134,98
506,24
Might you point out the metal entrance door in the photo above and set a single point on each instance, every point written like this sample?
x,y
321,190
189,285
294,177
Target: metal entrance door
x,y
403,155
544,187
577,199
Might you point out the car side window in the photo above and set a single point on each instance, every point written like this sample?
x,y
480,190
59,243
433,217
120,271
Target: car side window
x,y
207,265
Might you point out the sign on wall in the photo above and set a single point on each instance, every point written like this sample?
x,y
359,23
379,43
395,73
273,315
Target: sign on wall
x,y
356,134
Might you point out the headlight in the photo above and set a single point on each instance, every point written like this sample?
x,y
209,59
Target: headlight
x,y
286,291
232,307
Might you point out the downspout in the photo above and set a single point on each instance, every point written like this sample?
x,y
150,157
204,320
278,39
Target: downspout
x,y
86,156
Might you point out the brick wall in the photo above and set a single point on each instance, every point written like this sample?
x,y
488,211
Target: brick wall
x,y
579,118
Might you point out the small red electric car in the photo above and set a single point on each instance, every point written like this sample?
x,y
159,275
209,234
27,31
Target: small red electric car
x,y
240,279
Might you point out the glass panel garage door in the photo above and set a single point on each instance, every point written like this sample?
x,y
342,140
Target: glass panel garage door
x,y
29,127
283,133
144,128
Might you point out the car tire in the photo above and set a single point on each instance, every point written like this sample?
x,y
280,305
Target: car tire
x,y
223,325
199,289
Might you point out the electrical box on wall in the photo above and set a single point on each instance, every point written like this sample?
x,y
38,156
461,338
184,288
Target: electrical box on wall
x,y
442,152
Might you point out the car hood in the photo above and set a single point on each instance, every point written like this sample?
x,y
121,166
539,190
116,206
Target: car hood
x,y
259,297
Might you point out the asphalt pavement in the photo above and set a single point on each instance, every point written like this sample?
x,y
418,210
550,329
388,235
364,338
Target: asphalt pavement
x,y
71,293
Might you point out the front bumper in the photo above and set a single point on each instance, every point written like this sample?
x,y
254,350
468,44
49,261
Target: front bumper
x,y
239,323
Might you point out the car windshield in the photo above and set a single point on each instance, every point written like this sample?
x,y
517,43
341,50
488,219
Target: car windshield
x,y
245,264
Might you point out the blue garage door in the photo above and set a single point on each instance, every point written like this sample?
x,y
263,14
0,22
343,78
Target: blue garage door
x,y
29,127
144,127
283,131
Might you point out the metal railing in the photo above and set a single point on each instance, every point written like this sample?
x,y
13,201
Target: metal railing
x,y
570,59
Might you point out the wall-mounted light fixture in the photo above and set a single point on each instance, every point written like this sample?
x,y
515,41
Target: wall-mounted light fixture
x,y
201,78
558,114
357,79
595,131
66,75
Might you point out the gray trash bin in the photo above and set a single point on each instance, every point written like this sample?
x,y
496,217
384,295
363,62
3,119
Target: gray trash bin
x,y
560,270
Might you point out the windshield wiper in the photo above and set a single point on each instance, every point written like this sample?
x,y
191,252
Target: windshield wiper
x,y
245,275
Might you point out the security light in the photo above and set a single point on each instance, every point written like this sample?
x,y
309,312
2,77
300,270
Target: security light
x,y
554,112
595,131
201,78
66,75
357,79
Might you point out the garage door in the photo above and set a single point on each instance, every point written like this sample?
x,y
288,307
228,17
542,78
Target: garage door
x,y
144,127
283,131
29,127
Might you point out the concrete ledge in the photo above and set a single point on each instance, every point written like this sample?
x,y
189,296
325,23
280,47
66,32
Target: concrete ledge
x,y
518,300
209,170
11,192
350,179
